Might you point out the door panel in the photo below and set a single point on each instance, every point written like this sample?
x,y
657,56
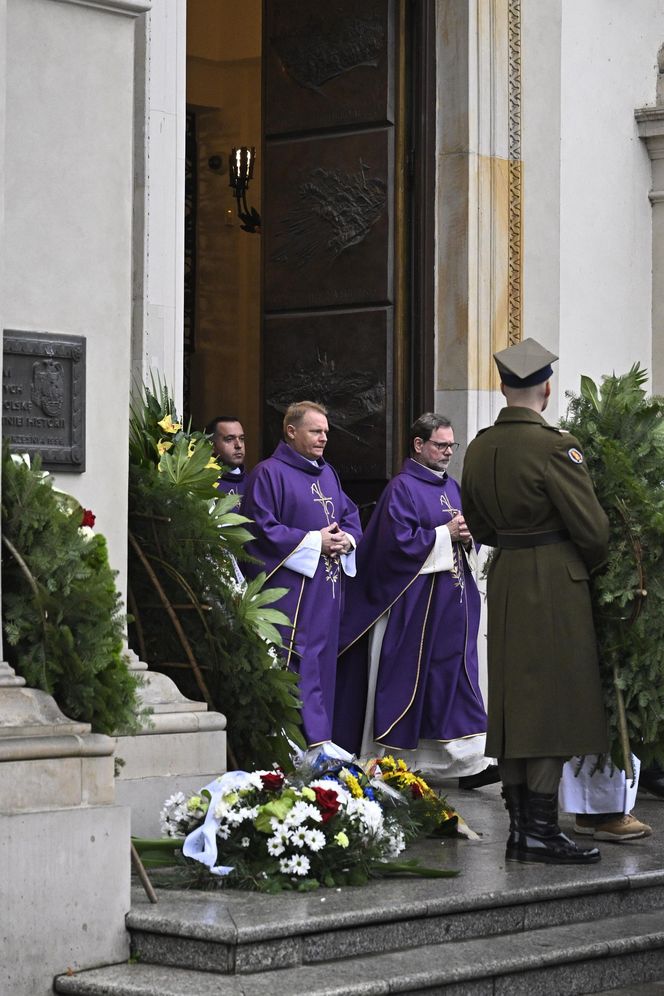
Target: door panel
x,y
334,323
328,65
328,236
345,358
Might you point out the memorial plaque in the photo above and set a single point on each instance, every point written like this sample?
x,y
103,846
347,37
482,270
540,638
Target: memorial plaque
x,y
43,397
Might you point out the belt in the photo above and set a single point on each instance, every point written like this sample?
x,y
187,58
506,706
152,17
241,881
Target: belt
x,y
523,541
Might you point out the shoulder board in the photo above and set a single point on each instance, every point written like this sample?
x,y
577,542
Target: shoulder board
x,y
554,428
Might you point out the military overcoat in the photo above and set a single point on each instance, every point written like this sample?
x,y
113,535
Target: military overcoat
x,y
522,476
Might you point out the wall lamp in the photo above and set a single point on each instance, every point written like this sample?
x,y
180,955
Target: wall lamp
x,y
240,172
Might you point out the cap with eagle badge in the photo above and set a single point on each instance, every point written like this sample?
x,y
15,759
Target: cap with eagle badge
x,y
525,364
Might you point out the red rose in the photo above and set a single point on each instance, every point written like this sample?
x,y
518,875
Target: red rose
x,y
273,780
328,802
88,518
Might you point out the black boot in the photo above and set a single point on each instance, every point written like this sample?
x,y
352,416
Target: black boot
x,y
542,839
488,776
515,804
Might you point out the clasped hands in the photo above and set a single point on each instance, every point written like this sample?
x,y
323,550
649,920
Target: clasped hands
x,y
459,531
335,541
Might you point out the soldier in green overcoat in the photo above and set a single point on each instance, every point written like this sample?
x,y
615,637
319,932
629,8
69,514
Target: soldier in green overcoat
x,y
526,491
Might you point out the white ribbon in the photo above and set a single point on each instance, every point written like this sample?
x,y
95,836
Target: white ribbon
x,y
201,843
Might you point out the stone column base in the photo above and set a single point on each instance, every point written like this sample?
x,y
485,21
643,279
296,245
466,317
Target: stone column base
x,y
64,847
181,748
65,878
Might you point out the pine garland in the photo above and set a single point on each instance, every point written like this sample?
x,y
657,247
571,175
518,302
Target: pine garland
x,y
61,612
621,432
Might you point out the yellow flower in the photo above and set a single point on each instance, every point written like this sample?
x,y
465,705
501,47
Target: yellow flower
x,y
168,425
308,793
212,464
191,448
163,446
341,839
353,786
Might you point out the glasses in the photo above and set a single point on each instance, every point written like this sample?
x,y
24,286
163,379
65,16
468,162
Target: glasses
x,y
441,447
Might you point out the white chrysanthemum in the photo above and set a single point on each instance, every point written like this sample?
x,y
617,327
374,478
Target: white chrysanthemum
x,y
395,843
299,836
283,835
174,800
275,847
368,814
254,779
245,842
285,866
223,832
221,810
300,864
174,818
239,814
314,839
300,812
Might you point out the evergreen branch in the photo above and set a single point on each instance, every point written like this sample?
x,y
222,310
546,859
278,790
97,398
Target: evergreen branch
x,y
641,591
27,573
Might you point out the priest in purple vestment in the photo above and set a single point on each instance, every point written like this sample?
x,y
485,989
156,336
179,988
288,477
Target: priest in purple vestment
x,y
228,442
306,532
408,670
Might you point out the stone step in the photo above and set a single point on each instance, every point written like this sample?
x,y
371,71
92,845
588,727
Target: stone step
x,y
243,933
572,958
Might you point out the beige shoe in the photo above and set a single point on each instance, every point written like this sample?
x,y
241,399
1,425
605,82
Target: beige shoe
x,y
647,829
614,828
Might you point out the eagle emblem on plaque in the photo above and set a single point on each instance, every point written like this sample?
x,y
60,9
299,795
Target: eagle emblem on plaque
x,y
48,386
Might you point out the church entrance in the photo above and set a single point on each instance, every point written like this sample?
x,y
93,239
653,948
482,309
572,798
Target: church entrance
x,y
328,296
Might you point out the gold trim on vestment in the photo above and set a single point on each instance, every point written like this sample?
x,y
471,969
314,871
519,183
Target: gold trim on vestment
x,y
297,612
374,621
274,571
419,661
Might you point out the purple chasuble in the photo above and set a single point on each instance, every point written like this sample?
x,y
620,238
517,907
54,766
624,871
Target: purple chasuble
x,y
427,687
287,497
232,484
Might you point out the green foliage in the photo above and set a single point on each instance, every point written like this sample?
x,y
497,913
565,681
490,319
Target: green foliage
x,y
61,612
188,534
621,432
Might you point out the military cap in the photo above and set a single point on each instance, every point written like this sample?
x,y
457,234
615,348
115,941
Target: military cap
x,y
525,364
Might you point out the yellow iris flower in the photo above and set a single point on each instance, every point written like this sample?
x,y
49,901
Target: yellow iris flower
x,y
163,446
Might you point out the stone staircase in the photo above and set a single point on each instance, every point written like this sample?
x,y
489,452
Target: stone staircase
x,y
494,930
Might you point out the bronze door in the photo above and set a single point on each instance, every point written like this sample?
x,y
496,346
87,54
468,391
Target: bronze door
x,y
338,235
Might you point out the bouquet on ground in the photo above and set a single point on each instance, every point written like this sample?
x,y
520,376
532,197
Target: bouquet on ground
x,y
432,811
327,823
